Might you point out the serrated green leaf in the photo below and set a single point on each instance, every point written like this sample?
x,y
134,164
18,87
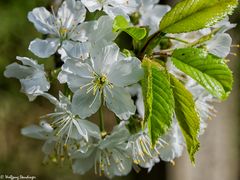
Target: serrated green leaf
x,y
208,70
192,15
187,116
121,24
158,99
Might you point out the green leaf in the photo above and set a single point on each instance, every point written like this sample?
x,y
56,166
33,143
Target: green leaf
x,y
158,99
192,15
187,116
136,32
121,24
208,70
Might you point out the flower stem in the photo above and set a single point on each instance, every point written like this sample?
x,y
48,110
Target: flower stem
x,y
177,39
149,42
117,120
101,116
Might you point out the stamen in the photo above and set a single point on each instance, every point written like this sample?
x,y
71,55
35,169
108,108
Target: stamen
x,y
233,54
95,98
173,162
235,45
86,85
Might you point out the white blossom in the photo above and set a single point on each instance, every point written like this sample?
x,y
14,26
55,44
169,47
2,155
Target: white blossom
x,y
62,130
104,78
109,156
99,33
174,143
66,25
151,14
112,7
31,76
142,152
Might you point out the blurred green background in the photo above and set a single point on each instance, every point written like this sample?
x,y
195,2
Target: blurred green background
x,y
20,155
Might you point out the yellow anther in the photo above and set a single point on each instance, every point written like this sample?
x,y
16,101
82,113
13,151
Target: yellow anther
x,y
235,45
173,162
233,54
63,31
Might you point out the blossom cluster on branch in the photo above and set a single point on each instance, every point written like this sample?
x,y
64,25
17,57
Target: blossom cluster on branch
x,y
157,69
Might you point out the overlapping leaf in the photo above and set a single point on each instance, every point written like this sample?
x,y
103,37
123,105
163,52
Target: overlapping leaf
x,y
192,15
121,24
158,99
187,116
208,70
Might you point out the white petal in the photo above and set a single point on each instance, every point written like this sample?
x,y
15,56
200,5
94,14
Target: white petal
x,y
30,62
103,58
127,6
120,134
152,14
174,143
126,72
92,129
81,166
224,25
92,5
140,103
71,13
83,31
120,102
31,75
115,11
49,146
76,74
18,71
35,84
120,170
149,3
76,50
44,48
85,104
43,20
51,98
35,132
220,45
102,32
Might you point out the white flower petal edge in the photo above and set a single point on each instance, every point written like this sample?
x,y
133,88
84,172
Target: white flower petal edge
x,y
152,13
36,132
76,74
92,5
220,46
31,75
44,48
174,143
104,57
71,13
64,26
101,33
43,20
85,104
98,80
125,72
109,156
113,7
119,101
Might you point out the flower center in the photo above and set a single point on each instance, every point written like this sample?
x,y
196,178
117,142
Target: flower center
x,y
99,83
101,1
63,32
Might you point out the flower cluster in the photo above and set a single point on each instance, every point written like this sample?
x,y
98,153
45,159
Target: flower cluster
x,y
101,68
